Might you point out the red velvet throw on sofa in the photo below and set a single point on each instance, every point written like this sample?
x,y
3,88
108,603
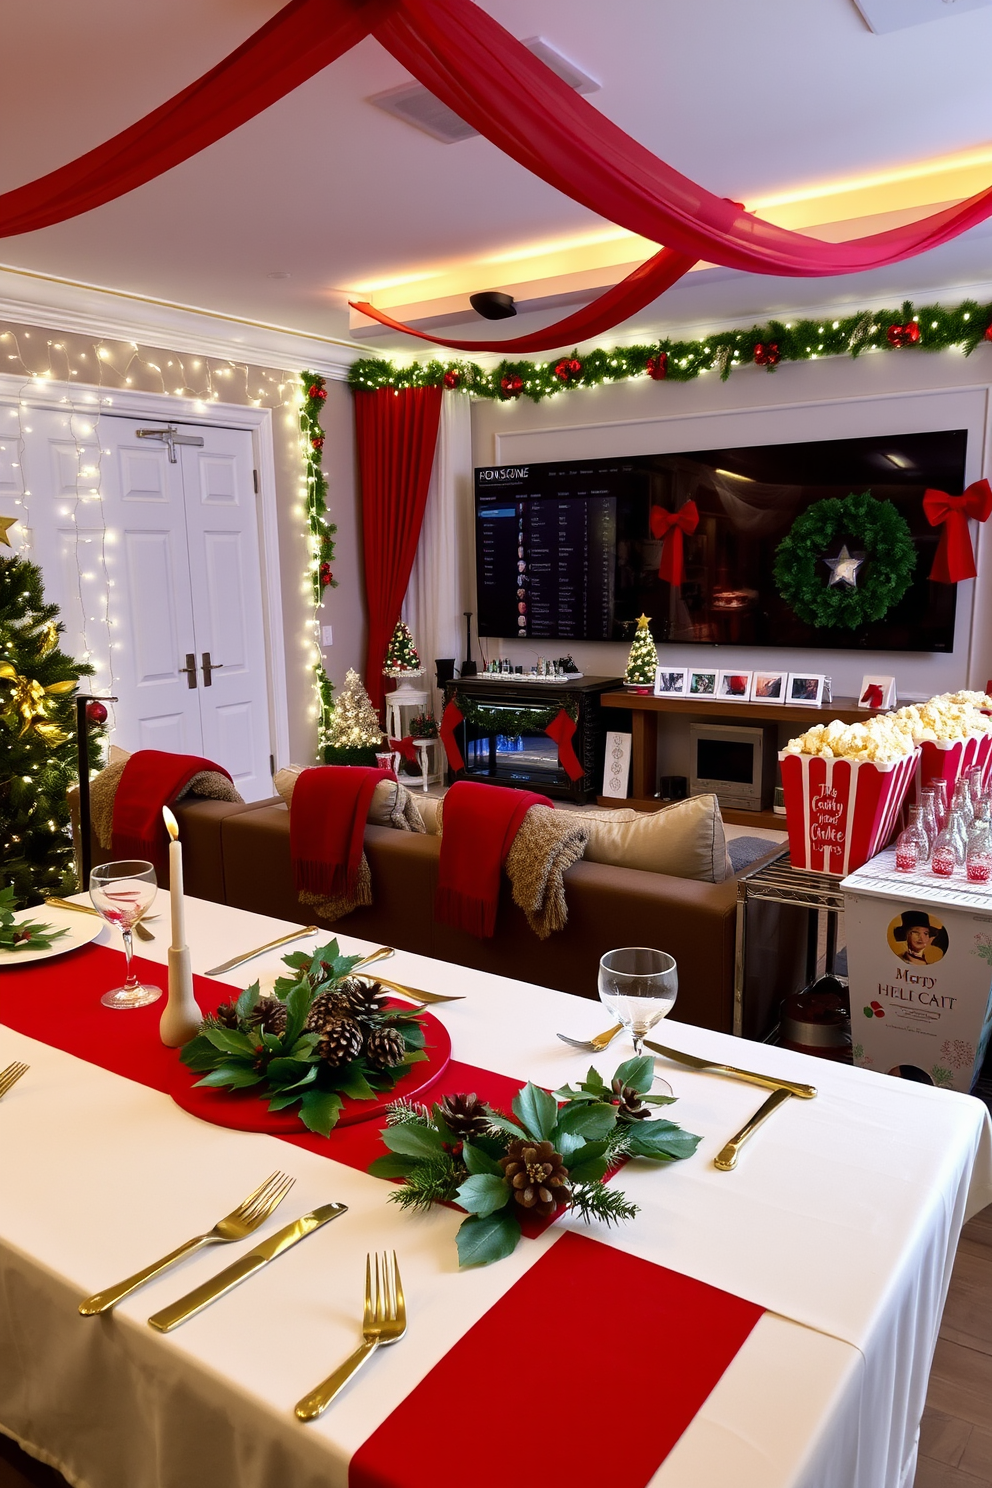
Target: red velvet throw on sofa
x,y
480,823
150,780
396,433
327,827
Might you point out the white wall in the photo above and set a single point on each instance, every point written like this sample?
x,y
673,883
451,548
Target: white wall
x,y
881,393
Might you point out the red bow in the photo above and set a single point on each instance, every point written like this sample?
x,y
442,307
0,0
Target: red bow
x,y
955,559
872,695
405,747
670,526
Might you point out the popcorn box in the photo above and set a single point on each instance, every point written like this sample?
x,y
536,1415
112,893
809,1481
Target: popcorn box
x,y
920,972
841,812
948,758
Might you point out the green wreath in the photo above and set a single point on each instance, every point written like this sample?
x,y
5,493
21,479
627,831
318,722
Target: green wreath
x,y
868,524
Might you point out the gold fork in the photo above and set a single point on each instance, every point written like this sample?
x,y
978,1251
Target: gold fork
x,y
140,930
384,1322
237,1225
11,1075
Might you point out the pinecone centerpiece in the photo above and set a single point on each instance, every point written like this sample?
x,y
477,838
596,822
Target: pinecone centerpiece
x,y
324,1036
536,1175
465,1116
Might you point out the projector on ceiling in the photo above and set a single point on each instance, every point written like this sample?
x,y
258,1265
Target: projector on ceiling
x,y
895,15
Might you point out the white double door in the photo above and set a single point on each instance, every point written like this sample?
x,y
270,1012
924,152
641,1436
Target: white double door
x,y
172,548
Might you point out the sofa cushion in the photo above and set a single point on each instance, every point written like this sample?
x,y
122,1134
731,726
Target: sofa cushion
x,y
392,804
684,840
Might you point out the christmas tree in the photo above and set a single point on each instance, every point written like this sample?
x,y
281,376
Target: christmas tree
x,y
643,656
401,655
353,734
37,739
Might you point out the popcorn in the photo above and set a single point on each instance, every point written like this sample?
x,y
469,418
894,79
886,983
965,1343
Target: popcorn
x,y
886,737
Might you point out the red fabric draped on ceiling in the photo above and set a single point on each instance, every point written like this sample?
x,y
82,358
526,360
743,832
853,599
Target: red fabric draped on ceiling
x,y
495,84
397,433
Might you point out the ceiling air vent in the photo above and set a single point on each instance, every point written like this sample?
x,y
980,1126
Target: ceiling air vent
x,y
415,105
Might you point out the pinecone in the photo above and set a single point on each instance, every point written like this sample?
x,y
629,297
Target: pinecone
x,y
629,1105
465,1116
268,1015
340,1042
365,1000
537,1176
384,1047
323,1009
226,1015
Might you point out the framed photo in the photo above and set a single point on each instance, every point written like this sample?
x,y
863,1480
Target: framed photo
x,y
805,689
734,686
769,687
877,692
702,685
669,683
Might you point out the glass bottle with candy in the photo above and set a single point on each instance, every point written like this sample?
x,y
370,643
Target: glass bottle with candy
x,y
978,861
912,845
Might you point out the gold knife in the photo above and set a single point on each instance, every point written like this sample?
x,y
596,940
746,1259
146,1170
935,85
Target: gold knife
x,y
804,1092
415,992
726,1158
201,1296
269,945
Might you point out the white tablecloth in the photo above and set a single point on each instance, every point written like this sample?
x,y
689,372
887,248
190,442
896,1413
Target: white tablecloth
x,y
841,1220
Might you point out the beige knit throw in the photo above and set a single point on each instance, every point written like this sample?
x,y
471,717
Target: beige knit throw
x,y
103,789
545,847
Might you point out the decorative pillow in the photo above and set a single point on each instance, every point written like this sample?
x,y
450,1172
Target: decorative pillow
x,y
685,839
431,809
392,804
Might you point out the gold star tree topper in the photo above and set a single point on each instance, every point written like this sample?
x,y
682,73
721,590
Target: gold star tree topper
x,y
5,525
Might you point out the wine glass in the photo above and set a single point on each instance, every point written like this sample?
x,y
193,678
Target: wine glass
x,y
121,893
639,987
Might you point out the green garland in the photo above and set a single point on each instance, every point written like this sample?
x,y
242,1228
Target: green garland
x,y
870,524
965,326
510,722
320,529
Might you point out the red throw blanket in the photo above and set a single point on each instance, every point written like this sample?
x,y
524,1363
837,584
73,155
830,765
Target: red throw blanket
x,y
327,827
480,823
151,779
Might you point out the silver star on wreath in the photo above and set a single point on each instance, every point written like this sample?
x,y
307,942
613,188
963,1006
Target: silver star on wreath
x,y
844,568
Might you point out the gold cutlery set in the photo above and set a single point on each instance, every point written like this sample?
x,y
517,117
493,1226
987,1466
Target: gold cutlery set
x,y
384,1319
11,1075
140,929
415,994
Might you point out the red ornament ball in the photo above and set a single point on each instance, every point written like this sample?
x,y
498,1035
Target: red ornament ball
x,y
903,335
326,576
452,378
988,333
767,354
318,443
96,713
316,391
657,368
567,368
512,385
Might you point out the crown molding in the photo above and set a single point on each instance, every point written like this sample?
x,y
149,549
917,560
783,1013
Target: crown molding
x,y
33,299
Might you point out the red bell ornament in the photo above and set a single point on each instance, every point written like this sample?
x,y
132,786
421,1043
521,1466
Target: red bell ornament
x,y
767,354
903,335
657,367
512,385
96,713
451,378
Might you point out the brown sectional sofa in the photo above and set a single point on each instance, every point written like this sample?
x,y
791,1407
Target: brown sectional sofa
x,y
239,854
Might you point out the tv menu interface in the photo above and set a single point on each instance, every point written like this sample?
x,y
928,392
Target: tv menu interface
x,y
546,550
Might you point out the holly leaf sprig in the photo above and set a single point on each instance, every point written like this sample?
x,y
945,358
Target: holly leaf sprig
x,y
23,935
243,1045
570,1147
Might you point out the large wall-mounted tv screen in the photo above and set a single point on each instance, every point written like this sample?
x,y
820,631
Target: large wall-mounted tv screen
x,y
564,550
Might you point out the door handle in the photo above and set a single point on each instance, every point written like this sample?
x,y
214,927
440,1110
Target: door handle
x,y
209,667
189,670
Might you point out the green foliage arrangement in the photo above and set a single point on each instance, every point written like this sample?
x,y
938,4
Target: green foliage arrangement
x,y
314,390
23,935
38,682
324,1035
963,326
864,523
510,721
548,1158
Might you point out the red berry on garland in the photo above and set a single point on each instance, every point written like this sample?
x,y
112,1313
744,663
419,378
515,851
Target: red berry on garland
x,y
568,368
316,391
657,368
767,354
512,385
452,378
903,335
318,443
326,577
96,713
988,333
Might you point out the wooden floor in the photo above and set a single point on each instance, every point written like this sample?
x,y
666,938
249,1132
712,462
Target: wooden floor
x,y
956,1439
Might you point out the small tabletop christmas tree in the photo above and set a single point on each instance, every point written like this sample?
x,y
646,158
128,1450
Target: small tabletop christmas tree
x,y
353,734
643,658
402,659
37,739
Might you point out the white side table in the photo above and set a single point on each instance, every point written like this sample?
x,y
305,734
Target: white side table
x,y
427,761
402,705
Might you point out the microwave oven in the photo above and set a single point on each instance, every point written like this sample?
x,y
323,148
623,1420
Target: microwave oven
x,y
736,764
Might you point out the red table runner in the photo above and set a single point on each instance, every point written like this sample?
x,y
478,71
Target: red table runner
x,y
586,1321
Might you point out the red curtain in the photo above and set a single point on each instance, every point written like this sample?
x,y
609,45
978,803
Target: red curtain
x,y
397,433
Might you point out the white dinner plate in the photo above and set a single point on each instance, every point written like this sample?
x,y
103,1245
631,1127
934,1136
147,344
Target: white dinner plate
x,y
82,929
